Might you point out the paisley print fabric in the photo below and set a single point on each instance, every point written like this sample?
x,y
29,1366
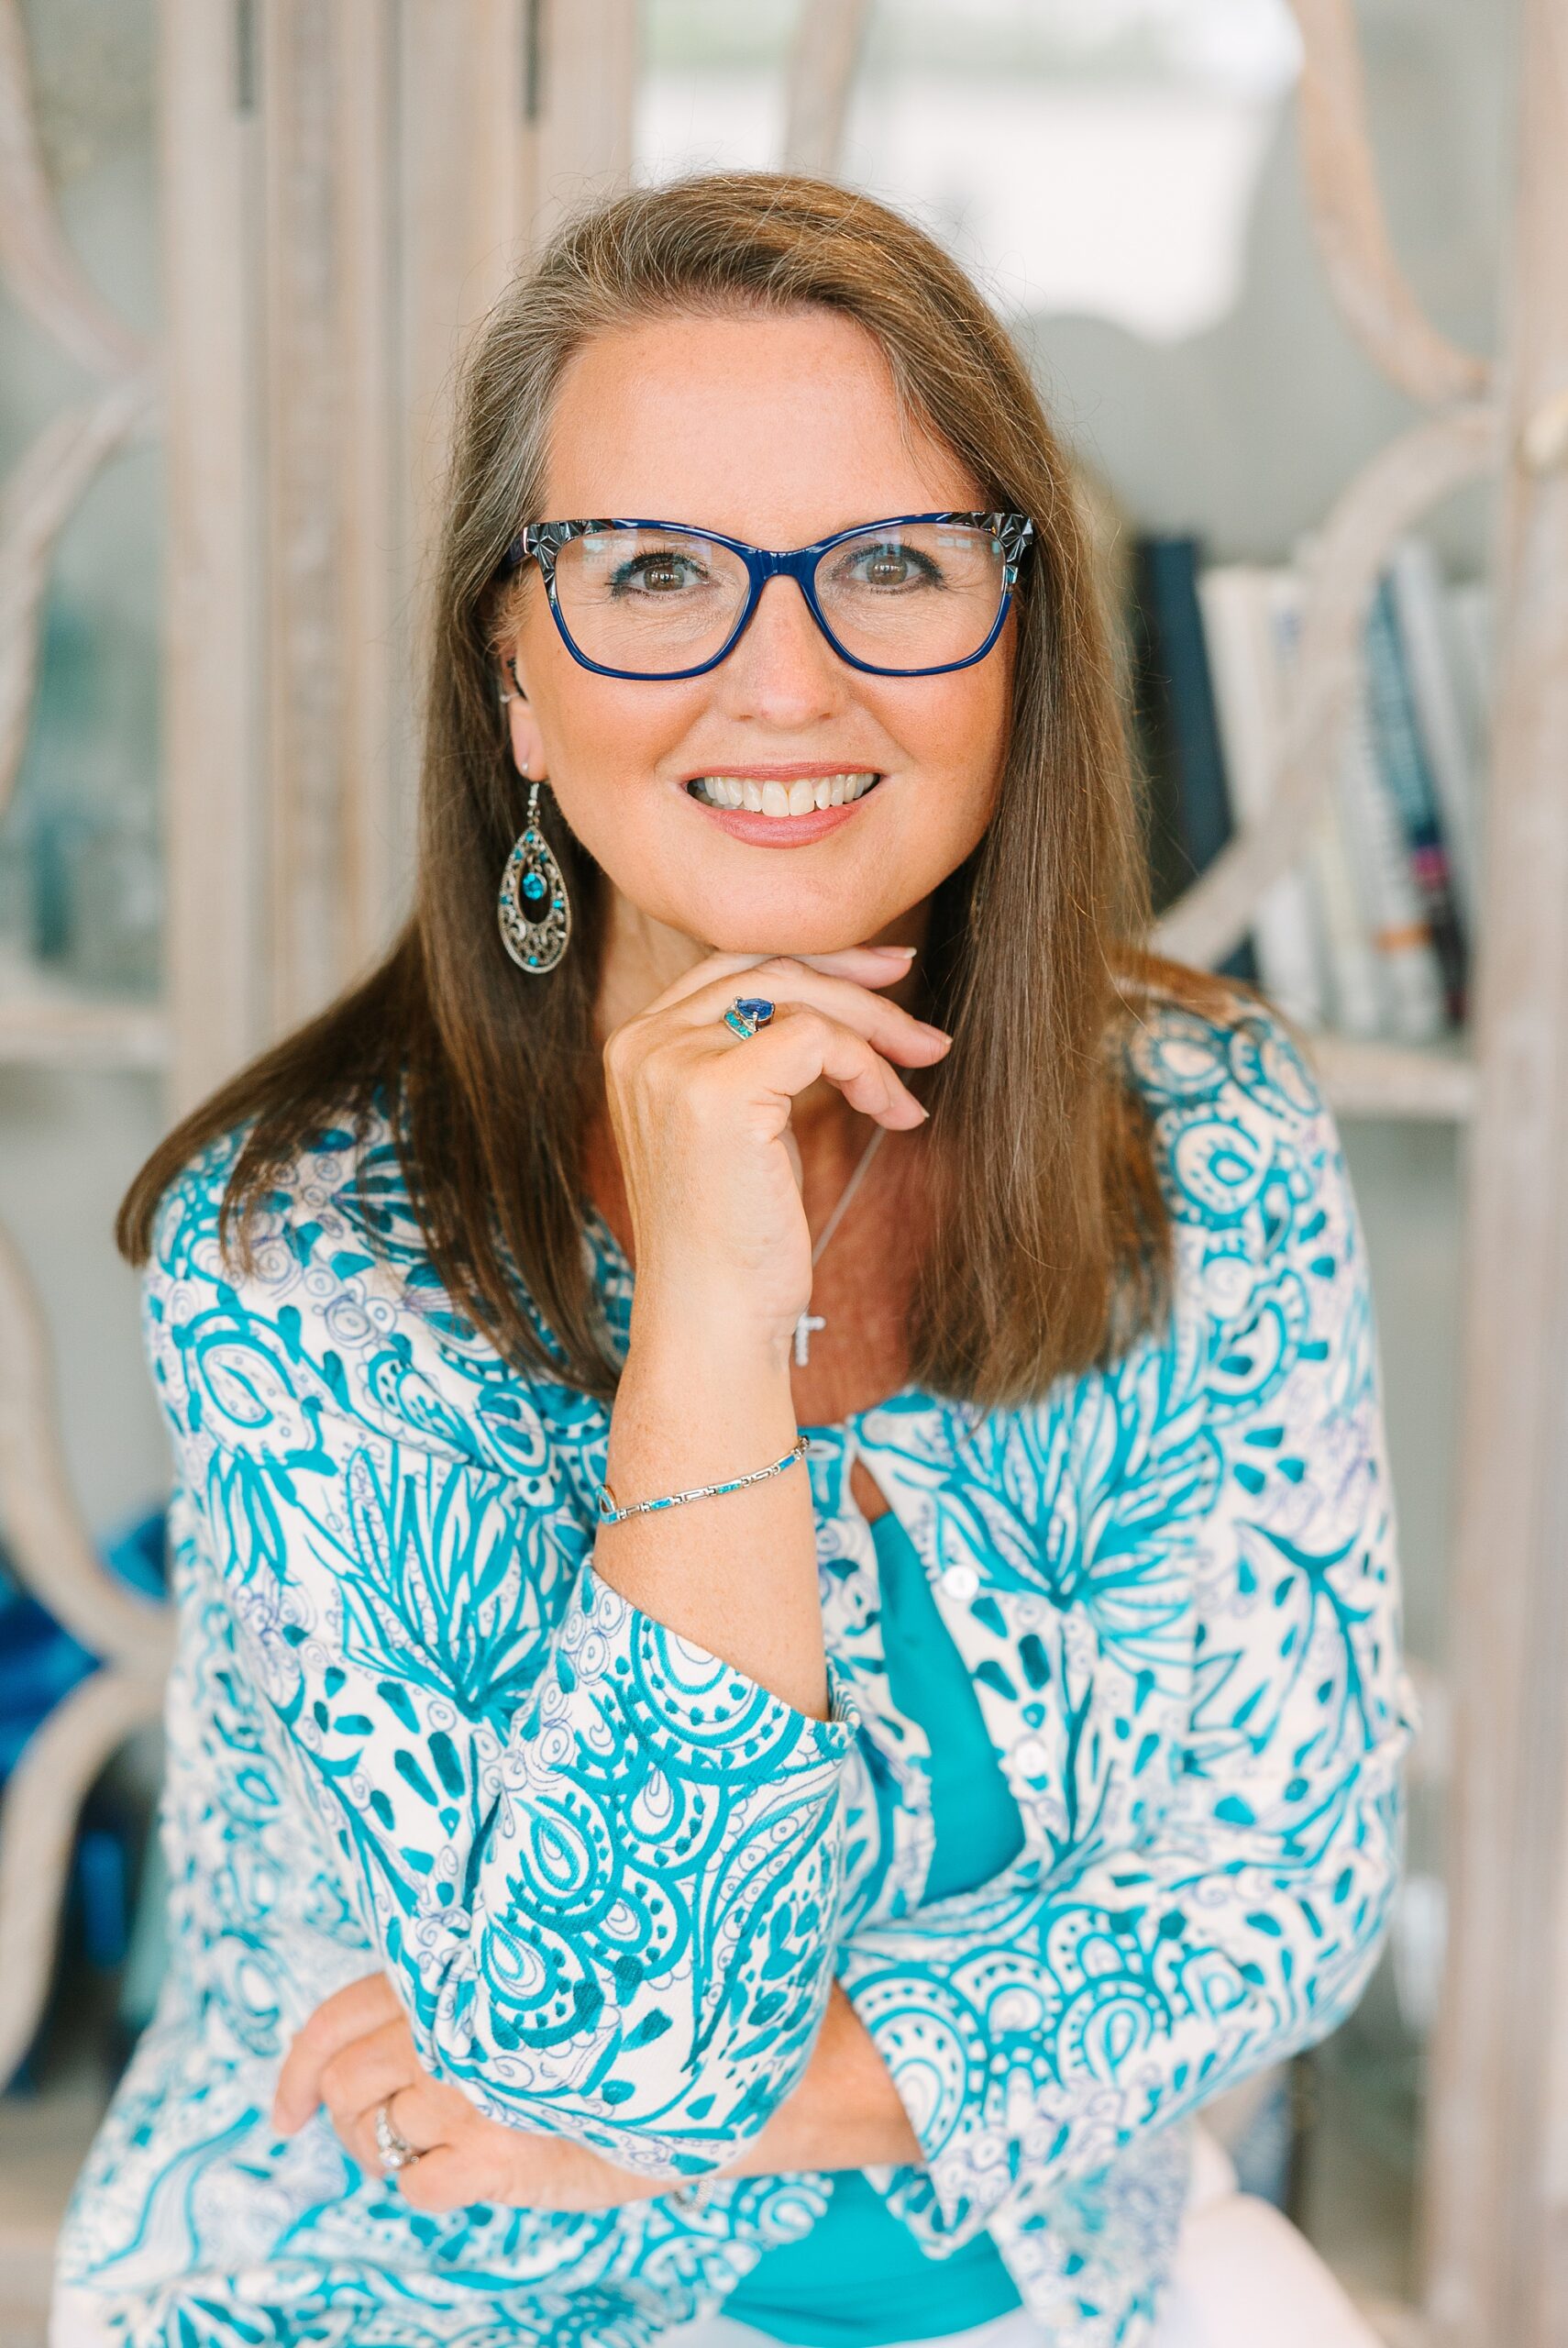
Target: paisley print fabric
x,y
612,1880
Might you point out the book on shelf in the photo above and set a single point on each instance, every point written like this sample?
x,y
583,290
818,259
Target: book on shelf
x,y
1370,930
1399,740
1444,632
1177,726
1245,621
1410,976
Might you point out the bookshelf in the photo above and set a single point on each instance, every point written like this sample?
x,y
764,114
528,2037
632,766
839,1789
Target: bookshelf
x,y
1492,2258
1366,1079
44,1026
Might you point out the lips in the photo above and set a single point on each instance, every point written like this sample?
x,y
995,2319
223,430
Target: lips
x,y
759,827
783,794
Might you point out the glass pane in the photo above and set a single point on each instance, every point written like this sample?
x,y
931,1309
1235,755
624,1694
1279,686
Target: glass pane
x,y
711,95
79,880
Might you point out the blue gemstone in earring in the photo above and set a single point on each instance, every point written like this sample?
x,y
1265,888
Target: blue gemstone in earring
x,y
535,916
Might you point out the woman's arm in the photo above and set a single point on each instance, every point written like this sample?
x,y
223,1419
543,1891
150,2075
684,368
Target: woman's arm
x,y
357,2053
590,1822
846,2113
598,1859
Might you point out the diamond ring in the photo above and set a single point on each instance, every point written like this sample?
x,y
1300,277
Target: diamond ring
x,y
747,1013
394,2146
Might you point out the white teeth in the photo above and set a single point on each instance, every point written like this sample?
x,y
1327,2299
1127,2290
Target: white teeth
x,y
774,798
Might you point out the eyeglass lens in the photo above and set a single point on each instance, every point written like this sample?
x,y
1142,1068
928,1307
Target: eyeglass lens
x,y
908,596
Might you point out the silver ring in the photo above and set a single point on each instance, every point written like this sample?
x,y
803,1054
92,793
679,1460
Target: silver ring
x,y
394,2146
747,1013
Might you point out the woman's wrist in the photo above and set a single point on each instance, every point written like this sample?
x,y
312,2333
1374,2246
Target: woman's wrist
x,y
701,1405
846,2112
679,1326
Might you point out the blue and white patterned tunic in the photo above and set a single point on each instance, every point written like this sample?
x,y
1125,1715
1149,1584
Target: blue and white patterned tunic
x,y
613,1879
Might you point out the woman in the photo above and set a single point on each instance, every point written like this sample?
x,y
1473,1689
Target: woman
x,y
770,1786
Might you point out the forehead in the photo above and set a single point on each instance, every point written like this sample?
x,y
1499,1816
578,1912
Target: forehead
x,y
778,428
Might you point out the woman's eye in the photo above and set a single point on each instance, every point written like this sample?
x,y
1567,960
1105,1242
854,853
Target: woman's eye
x,y
657,574
893,567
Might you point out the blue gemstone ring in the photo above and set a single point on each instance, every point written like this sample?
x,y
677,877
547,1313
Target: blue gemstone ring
x,y
748,1012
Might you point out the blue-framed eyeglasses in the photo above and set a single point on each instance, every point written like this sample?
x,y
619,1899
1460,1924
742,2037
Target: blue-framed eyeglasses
x,y
912,596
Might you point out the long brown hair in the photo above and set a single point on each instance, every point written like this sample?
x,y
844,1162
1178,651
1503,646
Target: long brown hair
x,y
1054,1237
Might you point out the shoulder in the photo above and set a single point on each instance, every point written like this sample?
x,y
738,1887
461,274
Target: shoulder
x,y
1245,1145
324,1305
336,1206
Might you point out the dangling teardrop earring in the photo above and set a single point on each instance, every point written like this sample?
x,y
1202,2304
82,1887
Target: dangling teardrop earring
x,y
533,911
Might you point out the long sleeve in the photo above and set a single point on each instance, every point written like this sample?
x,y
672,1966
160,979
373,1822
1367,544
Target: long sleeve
x,y
1213,1896
598,1864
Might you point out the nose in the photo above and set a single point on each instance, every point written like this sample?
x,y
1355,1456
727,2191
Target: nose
x,y
783,669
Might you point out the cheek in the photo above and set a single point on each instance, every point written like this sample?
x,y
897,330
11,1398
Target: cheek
x,y
957,740
607,743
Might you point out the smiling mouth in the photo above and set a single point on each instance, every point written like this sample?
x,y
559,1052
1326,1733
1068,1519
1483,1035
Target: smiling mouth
x,y
801,797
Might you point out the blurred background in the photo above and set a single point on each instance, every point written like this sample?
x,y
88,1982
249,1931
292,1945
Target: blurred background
x,y
1291,277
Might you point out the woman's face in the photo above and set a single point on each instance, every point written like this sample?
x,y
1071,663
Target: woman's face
x,y
780,431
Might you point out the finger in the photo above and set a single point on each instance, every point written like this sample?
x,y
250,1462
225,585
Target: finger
x,y
348,2014
357,2078
874,966
785,979
424,2112
415,2110
518,2170
447,2180
804,1044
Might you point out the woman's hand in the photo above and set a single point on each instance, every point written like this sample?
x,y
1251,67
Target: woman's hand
x,y
357,2052
701,1123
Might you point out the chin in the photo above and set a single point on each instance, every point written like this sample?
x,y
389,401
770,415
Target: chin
x,y
775,936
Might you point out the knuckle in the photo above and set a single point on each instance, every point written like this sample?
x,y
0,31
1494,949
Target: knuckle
x,y
661,1058
706,1092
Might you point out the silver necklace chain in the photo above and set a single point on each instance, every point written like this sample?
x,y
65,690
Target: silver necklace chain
x,y
809,1319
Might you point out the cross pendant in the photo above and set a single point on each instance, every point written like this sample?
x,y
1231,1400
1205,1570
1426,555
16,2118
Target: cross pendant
x,y
804,1327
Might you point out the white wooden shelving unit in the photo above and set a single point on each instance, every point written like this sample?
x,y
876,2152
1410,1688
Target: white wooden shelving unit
x,y
343,185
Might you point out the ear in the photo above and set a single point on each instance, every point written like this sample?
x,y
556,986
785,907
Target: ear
x,y
528,749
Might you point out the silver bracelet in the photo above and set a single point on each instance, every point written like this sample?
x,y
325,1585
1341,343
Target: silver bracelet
x,y
610,1514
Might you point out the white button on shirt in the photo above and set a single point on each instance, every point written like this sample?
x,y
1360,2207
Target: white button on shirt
x,y
960,1581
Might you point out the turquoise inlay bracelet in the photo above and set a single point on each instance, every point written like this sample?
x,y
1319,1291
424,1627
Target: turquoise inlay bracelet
x,y
610,1514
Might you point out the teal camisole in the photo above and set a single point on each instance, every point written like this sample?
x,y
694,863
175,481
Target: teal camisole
x,y
858,2277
